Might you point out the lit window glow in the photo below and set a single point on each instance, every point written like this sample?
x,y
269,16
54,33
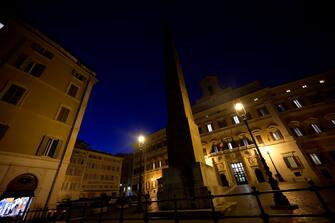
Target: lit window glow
x,y
322,81
230,146
236,119
210,127
304,86
256,99
297,103
288,91
297,131
316,128
315,159
1,25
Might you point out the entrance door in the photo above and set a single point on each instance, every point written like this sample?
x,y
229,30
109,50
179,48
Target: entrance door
x,y
239,173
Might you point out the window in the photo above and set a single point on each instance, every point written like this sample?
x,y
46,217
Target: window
x,y
1,25
281,107
297,103
49,147
297,131
63,114
29,66
316,128
262,111
276,135
333,122
78,76
13,94
3,130
222,123
230,145
259,139
316,158
210,127
44,52
236,119
245,141
292,162
73,90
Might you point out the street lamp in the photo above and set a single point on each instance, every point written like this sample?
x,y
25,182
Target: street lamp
x,y
140,140
280,200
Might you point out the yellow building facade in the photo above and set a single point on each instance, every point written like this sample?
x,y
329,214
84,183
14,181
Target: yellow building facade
x,y
293,125
91,174
44,92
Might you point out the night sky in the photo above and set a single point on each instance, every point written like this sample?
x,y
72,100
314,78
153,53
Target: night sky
x,y
121,41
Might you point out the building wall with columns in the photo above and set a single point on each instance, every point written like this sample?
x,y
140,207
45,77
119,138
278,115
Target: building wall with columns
x,y
273,113
44,92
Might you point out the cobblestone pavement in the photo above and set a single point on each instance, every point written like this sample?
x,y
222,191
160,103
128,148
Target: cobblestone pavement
x,y
247,205
307,203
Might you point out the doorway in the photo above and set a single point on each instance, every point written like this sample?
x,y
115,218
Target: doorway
x,y
239,173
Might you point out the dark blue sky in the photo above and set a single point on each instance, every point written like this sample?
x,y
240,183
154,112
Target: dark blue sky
x,y
121,41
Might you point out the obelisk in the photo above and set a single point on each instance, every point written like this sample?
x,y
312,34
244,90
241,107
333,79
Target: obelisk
x,y
187,175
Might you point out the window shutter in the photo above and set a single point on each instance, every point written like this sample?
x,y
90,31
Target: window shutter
x,y
58,149
297,160
43,144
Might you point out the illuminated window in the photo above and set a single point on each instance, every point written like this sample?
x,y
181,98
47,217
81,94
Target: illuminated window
x,y
230,145
297,131
63,114
304,86
322,81
288,91
292,162
1,25
297,103
14,94
49,147
245,141
210,127
236,119
276,135
316,158
333,121
256,99
316,128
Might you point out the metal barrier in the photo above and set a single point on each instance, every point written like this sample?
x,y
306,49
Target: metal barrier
x,y
128,211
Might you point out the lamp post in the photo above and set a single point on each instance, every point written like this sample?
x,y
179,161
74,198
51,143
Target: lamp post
x,y
140,140
280,200
278,175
